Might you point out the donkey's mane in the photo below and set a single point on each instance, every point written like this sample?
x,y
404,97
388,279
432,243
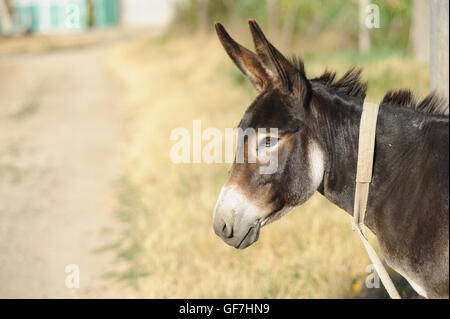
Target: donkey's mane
x,y
431,104
350,84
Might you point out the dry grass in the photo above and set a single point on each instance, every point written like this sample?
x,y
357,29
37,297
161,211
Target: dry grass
x,y
170,247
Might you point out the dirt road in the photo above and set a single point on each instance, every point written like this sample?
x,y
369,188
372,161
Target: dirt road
x,y
60,140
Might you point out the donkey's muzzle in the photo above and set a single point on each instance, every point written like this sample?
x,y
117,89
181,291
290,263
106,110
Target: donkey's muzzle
x,y
235,220
226,232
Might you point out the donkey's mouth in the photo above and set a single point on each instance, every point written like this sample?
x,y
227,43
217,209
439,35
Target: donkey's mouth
x,y
271,217
276,214
251,236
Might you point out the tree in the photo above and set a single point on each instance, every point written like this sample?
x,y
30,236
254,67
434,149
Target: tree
x,y
5,18
203,16
273,14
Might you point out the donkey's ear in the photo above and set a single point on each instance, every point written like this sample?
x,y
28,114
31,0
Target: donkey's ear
x,y
272,59
244,59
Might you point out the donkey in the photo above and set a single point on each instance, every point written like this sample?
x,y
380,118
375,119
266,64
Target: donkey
x,y
317,146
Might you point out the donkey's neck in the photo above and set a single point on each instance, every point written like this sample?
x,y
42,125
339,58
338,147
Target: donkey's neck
x,y
335,122
403,136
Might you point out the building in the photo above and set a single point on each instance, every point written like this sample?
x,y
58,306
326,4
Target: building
x,y
156,13
65,16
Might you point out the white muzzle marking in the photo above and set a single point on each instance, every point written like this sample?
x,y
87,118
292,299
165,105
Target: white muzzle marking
x,y
235,219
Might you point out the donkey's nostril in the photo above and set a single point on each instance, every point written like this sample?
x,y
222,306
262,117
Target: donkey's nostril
x,y
227,230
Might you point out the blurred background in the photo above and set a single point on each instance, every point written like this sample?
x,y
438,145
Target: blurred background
x,y
89,93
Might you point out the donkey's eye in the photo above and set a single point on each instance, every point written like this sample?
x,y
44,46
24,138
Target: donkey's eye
x,y
268,141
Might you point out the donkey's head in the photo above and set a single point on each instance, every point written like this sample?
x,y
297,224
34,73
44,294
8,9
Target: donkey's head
x,y
252,198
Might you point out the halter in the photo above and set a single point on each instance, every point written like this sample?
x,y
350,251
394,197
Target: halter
x,y
366,146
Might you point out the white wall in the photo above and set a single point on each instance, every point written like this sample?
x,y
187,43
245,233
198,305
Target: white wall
x,y
147,12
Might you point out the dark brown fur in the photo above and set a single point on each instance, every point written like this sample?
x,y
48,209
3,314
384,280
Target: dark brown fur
x,y
408,201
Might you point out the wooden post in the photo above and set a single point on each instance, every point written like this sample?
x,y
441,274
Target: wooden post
x,y
439,46
420,30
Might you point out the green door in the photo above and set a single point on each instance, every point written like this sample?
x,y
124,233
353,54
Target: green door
x,y
106,12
